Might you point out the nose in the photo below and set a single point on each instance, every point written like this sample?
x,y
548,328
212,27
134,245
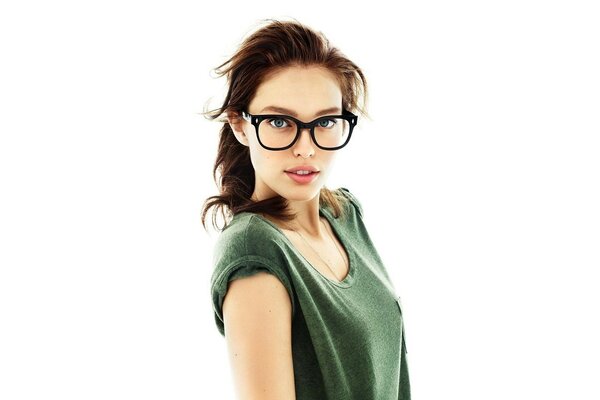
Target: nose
x,y
304,144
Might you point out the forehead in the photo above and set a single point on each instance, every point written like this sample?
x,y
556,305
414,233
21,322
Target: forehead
x,y
305,90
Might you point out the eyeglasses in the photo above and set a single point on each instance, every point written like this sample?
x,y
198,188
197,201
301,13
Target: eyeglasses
x,y
279,132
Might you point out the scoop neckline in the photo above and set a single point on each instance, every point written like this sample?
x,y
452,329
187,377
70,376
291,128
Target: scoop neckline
x,y
350,276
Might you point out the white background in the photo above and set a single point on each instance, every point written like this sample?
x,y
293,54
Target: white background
x,y
478,174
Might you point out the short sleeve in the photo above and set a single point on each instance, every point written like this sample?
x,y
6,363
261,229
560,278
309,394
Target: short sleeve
x,y
353,200
244,269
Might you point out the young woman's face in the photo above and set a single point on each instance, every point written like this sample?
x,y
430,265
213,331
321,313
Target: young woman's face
x,y
305,92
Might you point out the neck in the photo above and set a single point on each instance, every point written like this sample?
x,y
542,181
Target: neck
x,y
308,220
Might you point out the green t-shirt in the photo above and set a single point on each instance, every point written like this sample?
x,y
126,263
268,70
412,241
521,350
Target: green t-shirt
x,y
347,337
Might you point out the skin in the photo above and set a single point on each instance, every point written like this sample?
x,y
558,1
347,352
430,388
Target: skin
x,y
257,309
305,90
258,327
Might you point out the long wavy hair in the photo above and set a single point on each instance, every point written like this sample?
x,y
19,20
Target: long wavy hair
x,y
271,47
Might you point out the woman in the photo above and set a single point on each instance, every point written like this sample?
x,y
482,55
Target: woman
x,y
298,289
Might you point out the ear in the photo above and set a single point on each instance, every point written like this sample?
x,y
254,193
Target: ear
x,y
236,122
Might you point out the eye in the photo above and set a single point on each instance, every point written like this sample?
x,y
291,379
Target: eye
x,y
323,123
279,122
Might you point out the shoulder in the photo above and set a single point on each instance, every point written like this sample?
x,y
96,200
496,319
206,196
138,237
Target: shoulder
x,y
351,199
247,236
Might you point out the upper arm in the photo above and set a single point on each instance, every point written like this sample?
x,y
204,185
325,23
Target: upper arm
x,y
257,315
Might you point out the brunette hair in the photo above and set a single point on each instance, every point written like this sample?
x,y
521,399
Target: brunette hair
x,y
272,47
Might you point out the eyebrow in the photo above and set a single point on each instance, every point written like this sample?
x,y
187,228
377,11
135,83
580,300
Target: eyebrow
x,y
293,113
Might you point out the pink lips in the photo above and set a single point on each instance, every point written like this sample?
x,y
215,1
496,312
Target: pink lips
x,y
303,168
302,178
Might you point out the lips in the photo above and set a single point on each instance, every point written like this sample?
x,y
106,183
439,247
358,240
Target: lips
x,y
302,178
303,168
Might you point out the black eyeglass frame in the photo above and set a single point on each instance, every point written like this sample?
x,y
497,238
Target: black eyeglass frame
x,y
256,119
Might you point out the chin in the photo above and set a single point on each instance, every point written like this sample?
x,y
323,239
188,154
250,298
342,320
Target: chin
x,y
302,193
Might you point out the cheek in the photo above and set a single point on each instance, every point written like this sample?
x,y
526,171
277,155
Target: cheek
x,y
263,160
270,162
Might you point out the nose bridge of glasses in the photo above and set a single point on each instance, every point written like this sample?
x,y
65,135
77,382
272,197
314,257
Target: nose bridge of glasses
x,y
304,127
